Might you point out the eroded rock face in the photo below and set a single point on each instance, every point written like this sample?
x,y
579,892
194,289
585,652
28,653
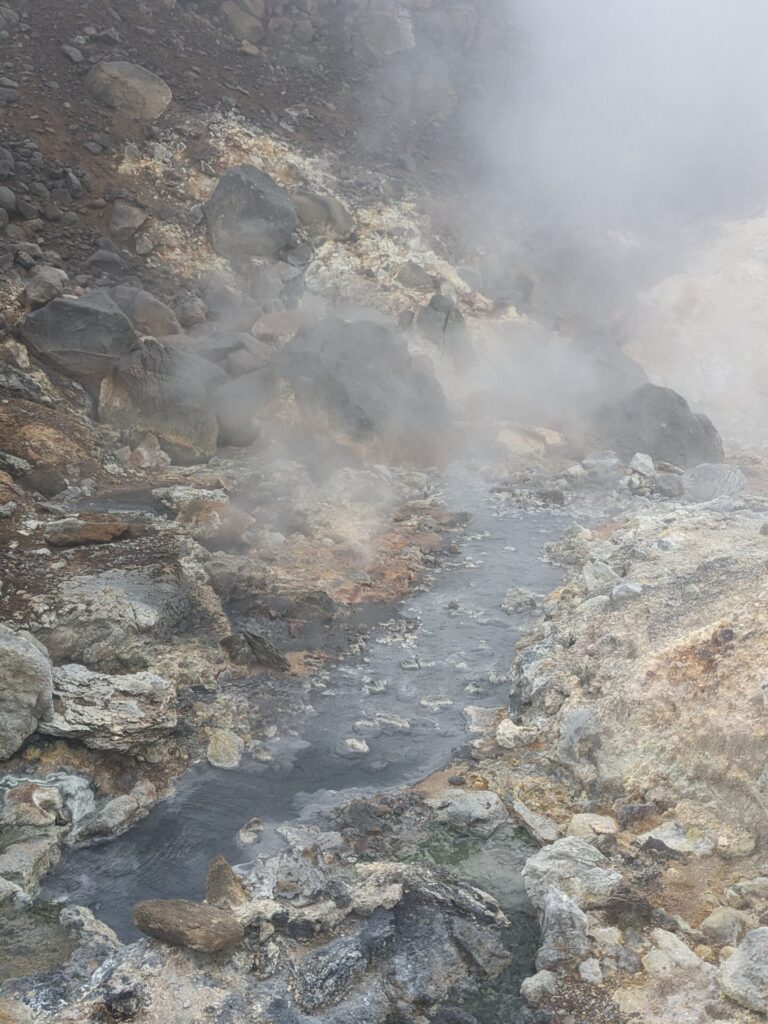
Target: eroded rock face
x,y
575,868
249,214
744,975
110,712
129,89
82,337
109,621
25,688
659,422
361,380
192,925
163,391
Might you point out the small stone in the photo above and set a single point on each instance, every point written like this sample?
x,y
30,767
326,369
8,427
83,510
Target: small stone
x,y
535,989
251,831
589,971
225,749
643,464
352,748
73,53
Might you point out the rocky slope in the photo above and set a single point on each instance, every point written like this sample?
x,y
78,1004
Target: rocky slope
x,y
242,328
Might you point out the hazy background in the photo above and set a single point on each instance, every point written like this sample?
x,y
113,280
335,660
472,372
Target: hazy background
x,y
627,146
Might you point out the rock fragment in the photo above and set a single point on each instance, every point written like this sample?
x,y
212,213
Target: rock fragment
x,y
129,89
192,925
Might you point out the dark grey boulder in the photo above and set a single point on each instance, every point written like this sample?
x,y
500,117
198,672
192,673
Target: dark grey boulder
x,y
360,379
240,404
82,337
659,422
163,391
249,214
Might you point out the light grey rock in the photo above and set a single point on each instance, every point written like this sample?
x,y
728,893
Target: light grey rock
x,y
744,975
563,931
725,926
126,219
597,577
642,464
535,989
713,480
104,620
542,828
591,972
129,89
25,688
109,712
473,812
575,867
26,862
675,836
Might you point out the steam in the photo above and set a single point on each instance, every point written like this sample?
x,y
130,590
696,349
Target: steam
x,y
626,150
635,116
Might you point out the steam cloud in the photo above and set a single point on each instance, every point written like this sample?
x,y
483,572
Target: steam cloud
x,y
628,140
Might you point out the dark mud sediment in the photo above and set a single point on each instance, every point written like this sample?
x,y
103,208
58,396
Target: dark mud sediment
x,y
450,647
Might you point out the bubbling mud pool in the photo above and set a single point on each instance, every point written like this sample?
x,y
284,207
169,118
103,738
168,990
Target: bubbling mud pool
x,y
449,646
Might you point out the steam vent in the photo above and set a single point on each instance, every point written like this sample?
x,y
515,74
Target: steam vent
x,y
383,512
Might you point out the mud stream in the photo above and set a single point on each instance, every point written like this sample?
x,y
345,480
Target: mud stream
x,y
450,646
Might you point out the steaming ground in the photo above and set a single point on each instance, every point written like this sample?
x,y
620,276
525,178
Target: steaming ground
x,y
405,695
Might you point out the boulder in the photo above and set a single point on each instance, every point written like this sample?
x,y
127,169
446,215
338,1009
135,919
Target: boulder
x,y
184,923
563,931
163,391
103,620
82,337
241,22
109,712
25,688
744,975
473,812
442,322
658,422
323,213
359,379
147,314
712,480
239,406
45,284
25,862
249,214
576,868
129,89
126,219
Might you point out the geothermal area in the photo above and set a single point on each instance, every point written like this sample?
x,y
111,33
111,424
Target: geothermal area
x,y
383,512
